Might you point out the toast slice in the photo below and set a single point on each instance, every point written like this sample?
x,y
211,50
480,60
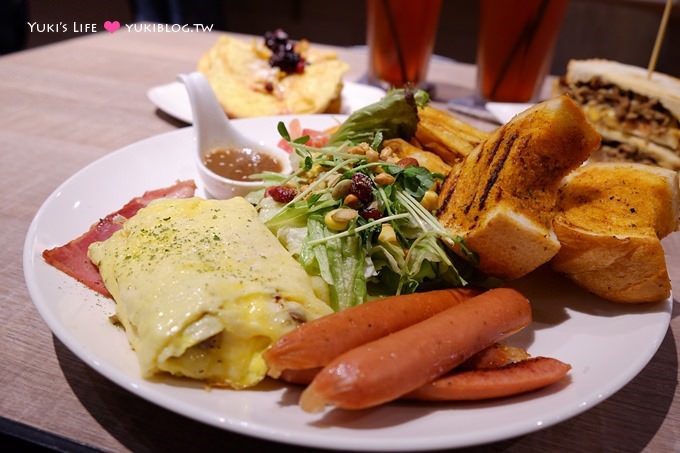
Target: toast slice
x,y
610,221
501,199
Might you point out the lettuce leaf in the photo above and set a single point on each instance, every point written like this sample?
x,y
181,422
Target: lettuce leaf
x,y
394,116
340,262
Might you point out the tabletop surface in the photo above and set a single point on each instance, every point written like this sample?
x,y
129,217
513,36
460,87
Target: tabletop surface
x,y
68,104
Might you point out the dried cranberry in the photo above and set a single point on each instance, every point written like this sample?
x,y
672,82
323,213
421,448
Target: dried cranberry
x,y
370,213
282,194
362,187
408,162
300,68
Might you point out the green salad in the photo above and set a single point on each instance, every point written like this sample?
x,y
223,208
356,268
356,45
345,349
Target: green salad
x,y
359,218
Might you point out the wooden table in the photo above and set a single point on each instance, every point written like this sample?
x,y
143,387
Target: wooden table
x,y
65,105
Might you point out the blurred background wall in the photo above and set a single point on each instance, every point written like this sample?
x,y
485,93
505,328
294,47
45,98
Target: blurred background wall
x,y
622,30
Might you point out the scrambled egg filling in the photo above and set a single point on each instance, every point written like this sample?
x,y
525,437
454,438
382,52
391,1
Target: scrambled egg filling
x,y
203,288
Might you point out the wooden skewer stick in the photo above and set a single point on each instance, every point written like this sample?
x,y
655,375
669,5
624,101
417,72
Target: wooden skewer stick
x,y
659,38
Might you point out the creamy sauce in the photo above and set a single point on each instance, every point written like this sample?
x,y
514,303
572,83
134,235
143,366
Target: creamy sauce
x,y
239,164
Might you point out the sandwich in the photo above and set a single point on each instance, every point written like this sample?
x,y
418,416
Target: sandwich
x,y
610,220
638,117
273,76
501,199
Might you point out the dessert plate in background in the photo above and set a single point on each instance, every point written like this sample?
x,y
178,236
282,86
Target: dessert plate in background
x,y
173,99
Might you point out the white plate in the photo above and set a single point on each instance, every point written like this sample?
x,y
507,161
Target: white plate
x,y
173,99
570,325
505,111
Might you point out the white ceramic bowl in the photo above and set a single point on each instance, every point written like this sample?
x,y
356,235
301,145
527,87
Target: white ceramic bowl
x,y
220,187
212,129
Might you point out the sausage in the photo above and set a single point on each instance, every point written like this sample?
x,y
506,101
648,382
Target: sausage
x,y
513,379
301,377
495,356
479,380
385,369
316,343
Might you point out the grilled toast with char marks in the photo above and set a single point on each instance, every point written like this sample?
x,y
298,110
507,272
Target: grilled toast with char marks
x,y
610,220
501,199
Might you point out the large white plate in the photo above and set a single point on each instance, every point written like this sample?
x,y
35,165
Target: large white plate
x,y
505,111
172,98
575,327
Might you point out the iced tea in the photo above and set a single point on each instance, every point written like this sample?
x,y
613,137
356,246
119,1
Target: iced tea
x,y
514,51
400,36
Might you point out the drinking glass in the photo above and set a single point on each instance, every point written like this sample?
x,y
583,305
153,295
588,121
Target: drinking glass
x,y
515,46
400,36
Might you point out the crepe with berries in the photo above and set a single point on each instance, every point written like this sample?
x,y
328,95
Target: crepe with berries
x,y
251,79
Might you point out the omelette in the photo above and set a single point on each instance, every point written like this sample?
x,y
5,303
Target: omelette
x,y
202,288
246,85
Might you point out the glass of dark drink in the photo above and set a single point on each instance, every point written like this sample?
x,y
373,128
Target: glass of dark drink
x,y
400,36
515,46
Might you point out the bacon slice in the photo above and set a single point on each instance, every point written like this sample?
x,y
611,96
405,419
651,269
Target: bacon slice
x,y
72,259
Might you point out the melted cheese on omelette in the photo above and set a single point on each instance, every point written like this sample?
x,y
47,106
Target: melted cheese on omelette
x,y
203,288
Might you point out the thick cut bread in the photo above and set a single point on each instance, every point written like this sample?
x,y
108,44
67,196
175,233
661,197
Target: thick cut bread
x,y
610,219
501,199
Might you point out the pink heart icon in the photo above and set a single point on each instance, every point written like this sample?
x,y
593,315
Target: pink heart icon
x,y
111,26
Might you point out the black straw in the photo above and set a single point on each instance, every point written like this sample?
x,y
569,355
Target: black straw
x,y
522,42
395,37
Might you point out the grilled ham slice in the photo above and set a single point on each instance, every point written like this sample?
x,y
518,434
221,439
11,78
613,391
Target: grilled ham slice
x,y
501,199
71,258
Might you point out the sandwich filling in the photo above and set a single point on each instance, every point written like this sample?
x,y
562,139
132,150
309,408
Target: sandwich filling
x,y
637,116
616,108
